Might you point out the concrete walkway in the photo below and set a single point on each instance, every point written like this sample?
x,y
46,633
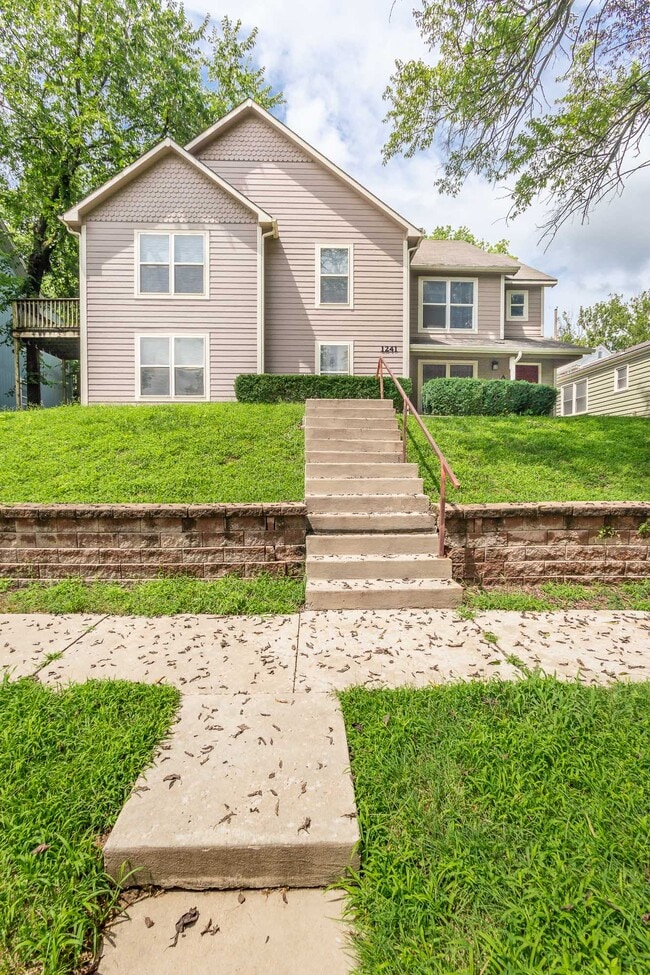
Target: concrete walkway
x,y
255,689
325,651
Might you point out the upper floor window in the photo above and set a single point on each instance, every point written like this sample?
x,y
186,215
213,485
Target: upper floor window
x,y
334,275
517,306
447,304
172,264
574,398
620,378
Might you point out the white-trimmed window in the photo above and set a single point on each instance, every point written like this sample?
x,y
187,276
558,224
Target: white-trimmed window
x,y
620,378
334,358
172,367
172,264
448,305
517,306
334,271
574,398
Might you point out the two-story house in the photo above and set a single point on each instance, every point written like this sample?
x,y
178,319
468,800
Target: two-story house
x,y
249,251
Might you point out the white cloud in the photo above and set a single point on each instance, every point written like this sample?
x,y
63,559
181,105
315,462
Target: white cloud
x,y
333,59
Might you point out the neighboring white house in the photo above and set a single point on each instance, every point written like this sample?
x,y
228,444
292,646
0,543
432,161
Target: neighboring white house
x,y
614,384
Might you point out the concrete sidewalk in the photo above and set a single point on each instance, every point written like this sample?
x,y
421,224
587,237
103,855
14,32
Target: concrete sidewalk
x,y
270,679
325,651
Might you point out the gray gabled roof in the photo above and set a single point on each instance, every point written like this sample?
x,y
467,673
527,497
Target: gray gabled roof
x,y
530,275
453,254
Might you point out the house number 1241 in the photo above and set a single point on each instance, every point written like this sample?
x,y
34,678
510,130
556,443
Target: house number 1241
x,y
389,348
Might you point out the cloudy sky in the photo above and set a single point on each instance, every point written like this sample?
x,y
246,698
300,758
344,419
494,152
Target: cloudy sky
x,y
333,59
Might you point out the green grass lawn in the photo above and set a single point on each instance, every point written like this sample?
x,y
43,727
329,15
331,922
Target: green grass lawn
x,y
505,828
193,453
521,458
230,595
68,760
552,596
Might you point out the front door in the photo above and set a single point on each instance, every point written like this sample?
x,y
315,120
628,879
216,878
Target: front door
x,y
528,373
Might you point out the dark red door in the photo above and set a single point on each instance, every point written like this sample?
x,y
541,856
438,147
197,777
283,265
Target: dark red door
x,y
529,374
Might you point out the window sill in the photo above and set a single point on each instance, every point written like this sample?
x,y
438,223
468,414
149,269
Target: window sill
x,y
165,296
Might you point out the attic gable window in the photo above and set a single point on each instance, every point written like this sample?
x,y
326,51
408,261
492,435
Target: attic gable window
x,y
334,275
171,264
517,306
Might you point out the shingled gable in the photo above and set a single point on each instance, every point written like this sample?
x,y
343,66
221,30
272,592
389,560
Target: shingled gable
x,y
250,108
74,217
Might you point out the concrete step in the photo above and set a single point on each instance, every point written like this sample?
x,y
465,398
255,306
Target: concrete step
x,y
260,795
352,432
377,567
388,543
328,455
357,423
353,470
366,503
258,932
383,594
351,445
364,485
366,522
363,406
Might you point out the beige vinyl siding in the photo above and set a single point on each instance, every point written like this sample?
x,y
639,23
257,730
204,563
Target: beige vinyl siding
x,y
115,316
312,206
532,328
601,397
489,305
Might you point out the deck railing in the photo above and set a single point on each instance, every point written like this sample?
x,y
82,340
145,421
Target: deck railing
x,y
445,468
45,315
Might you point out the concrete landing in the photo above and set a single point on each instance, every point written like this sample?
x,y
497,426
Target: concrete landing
x,y
259,933
249,792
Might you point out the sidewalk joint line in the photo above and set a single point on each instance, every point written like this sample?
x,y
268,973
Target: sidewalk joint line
x,y
71,644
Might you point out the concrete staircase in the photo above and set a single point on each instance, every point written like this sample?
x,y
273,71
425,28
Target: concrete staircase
x,y
374,544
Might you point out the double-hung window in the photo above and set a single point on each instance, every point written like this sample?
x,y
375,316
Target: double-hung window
x,y
334,358
334,275
447,305
172,367
620,378
172,264
517,306
574,398
448,370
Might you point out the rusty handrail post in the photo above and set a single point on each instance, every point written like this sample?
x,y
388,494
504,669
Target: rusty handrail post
x,y
381,379
405,417
441,512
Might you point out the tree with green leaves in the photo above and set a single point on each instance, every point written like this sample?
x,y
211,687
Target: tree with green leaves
x,y
615,323
552,96
87,86
447,232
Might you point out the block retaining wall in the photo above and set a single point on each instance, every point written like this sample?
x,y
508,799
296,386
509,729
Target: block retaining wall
x,y
497,544
132,542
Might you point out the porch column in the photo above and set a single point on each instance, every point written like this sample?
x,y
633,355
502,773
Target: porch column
x,y
33,374
17,378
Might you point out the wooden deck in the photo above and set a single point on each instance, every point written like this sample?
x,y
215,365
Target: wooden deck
x,y
49,325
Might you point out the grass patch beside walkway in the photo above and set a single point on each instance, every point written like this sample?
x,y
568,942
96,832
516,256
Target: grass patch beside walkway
x,y
68,760
558,595
230,595
526,458
504,828
184,454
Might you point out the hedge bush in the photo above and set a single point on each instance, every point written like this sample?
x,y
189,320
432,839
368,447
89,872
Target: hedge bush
x,y
267,388
487,397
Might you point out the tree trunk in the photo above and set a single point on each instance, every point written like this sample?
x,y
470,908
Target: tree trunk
x,y
33,374
39,259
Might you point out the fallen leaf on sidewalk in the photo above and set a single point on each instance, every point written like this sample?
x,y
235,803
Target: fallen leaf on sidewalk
x,y
185,921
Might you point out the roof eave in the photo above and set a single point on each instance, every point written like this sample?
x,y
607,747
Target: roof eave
x,y
460,268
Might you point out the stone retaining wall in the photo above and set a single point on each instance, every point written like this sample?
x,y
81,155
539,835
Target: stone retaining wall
x,y
496,544
140,541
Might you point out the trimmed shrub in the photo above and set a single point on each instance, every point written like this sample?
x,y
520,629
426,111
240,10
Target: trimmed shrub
x,y
268,388
487,397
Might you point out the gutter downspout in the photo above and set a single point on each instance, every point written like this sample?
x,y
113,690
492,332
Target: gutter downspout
x,y
514,359
261,237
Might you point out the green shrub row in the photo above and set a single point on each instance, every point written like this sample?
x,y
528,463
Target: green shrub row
x,y
486,397
267,388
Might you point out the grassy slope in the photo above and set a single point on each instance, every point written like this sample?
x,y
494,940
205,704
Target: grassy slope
x,y
504,828
538,458
68,760
227,452
553,596
159,597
